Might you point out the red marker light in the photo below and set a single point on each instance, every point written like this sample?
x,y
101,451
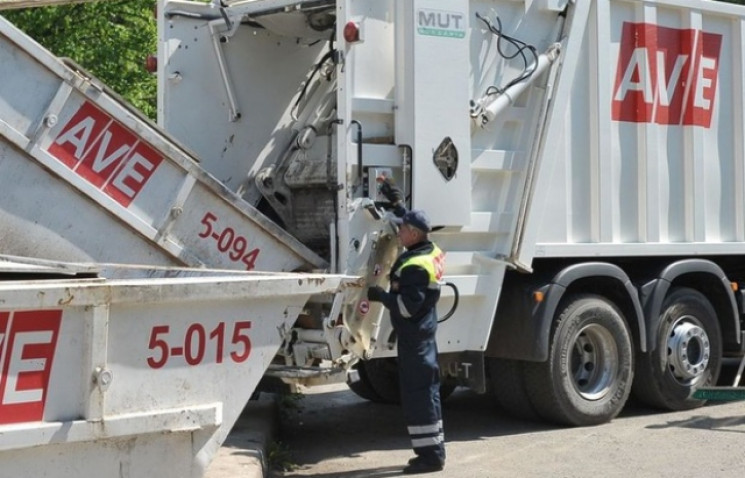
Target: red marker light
x,y
151,63
352,32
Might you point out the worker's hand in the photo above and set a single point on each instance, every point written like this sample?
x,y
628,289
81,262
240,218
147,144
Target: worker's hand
x,y
391,192
375,293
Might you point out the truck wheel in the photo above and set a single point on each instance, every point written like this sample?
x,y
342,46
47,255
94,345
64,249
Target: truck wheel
x,y
587,377
687,355
508,387
362,386
378,382
382,375
446,389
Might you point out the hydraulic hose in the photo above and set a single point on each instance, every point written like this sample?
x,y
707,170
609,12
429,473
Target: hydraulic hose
x,y
456,294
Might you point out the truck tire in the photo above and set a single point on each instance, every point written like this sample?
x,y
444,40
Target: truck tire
x,y
508,387
587,377
362,386
687,355
379,382
382,375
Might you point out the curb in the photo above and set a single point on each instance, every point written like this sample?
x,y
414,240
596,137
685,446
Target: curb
x,y
245,451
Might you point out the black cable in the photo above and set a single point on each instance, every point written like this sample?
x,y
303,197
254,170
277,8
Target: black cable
x,y
456,294
521,48
329,54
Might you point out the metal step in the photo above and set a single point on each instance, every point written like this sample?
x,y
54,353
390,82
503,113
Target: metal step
x,y
460,263
467,285
723,394
498,161
735,392
490,222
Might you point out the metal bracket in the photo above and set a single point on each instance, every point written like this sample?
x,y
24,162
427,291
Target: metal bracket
x,y
219,37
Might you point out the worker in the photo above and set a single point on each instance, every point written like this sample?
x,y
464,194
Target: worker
x,y
411,299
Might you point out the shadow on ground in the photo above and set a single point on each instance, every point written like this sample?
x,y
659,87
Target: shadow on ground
x,y
341,424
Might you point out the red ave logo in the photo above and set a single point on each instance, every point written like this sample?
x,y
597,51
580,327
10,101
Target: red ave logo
x,y
27,343
105,154
666,75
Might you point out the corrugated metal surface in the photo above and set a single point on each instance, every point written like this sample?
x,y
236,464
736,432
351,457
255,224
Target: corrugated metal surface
x,y
644,149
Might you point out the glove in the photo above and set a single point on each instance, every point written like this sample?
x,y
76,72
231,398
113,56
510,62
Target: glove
x,y
375,293
391,192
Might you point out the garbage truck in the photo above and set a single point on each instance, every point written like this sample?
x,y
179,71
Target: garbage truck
x,y
582,161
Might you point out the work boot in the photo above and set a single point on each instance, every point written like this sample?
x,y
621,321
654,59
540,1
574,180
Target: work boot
x,y
412,460
419,465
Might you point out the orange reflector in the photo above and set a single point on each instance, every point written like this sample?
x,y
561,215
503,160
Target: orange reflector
x,y
538,296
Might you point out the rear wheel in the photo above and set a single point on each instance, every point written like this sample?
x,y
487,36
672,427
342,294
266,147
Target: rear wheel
x,y
687,354
378,381
382,375
358,382
508,388
587,377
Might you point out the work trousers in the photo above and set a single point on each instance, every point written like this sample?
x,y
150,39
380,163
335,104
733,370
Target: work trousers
x,y
419,375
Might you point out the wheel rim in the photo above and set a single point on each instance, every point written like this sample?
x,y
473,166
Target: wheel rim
x,y
688,350
594,362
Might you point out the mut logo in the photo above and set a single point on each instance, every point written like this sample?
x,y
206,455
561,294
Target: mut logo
x,y
105,154
666,75
441,23
27,343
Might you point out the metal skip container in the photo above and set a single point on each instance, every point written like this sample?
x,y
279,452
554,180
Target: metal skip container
x,y
88,178
131,376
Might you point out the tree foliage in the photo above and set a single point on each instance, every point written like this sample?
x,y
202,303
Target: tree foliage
x,y
110,39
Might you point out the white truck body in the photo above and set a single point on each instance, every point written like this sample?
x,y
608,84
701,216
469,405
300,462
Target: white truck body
x,y
134,371
584,159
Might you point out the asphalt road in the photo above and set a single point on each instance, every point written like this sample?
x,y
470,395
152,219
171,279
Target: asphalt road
x,y
336,434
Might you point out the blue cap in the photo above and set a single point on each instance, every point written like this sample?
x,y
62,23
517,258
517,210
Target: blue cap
x,y
415,218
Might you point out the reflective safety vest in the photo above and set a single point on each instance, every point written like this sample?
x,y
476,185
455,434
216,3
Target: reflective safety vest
x,y
433,263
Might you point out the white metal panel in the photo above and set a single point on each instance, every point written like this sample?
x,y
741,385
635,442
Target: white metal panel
x,y
365,104
266,72
738,133
371,61
432,58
